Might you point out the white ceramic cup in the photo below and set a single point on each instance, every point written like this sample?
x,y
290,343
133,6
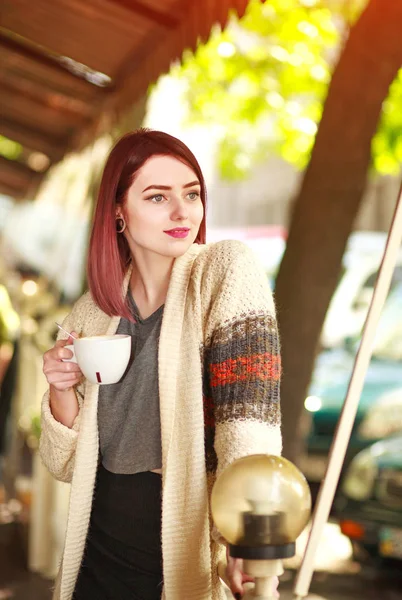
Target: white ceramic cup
x,y
103,359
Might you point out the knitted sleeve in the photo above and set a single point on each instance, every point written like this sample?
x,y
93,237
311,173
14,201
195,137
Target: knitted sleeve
x,y
242,361
57,442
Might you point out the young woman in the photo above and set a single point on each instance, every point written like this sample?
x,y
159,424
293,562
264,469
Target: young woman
x,y
201,390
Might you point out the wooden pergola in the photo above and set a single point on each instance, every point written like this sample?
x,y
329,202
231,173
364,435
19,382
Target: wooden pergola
x,y
69,69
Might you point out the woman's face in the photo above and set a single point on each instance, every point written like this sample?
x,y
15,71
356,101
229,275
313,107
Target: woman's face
x,y
163,209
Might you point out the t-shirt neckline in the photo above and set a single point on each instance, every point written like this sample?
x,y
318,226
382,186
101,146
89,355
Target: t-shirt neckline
x,y
136,313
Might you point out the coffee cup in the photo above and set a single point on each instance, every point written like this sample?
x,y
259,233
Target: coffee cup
x,y
103,359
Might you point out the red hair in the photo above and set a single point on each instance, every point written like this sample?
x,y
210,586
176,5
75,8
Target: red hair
x,y
109,253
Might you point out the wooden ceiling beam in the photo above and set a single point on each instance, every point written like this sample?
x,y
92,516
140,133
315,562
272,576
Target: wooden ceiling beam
x,y
54,106
37,94
14,167
33,139
139,8
9,190
33,53
39,76
50,119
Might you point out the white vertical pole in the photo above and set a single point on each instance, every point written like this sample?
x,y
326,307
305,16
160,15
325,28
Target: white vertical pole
x,y
347,418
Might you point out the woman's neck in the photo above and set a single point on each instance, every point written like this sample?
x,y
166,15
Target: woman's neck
x,y
149,282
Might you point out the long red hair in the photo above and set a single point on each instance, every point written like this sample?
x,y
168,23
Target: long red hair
x,y
109,253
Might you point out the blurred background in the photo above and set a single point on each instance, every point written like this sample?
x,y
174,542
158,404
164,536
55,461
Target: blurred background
x,y
294,110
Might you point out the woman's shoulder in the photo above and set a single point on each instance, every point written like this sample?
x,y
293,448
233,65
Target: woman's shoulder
x,y
84,303
226,250
85,317
85,308
225,254
230,276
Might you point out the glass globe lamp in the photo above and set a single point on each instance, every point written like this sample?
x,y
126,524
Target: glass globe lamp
x,y
260,504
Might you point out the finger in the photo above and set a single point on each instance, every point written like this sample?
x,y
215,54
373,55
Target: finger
x,y
58,366
57,353
60,376
62,343
63,385
59,372
73,335
60,352
65,353
235,575
236,582
57,378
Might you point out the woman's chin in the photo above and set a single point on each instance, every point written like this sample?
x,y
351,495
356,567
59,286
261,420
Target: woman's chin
x,y
178,251
177,248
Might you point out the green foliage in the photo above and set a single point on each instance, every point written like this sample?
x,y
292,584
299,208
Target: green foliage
x,y
387,143
36,426
263,81
9,149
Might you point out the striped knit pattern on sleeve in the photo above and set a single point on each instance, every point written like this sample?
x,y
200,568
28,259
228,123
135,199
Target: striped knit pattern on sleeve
x,y
242,369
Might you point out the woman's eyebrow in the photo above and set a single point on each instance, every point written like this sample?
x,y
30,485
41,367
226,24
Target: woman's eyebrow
x,y
168,187
196,182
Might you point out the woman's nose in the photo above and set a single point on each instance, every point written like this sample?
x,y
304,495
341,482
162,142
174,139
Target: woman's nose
x,y
179,210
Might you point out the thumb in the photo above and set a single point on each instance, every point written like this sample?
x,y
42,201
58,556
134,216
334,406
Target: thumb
x,y
236,579
69,340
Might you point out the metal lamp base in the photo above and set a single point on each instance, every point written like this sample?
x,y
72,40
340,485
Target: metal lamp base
x,y
267,552
264,573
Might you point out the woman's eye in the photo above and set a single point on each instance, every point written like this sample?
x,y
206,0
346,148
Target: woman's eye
x,y
157,199
193,195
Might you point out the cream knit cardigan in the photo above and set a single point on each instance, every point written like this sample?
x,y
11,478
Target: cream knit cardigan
x,y
210,286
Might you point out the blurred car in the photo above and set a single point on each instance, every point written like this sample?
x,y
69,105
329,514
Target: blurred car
x,y
369,505
329,387
350,302
384,418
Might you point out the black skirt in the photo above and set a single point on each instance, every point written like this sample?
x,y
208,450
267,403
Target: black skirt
x,y
123,553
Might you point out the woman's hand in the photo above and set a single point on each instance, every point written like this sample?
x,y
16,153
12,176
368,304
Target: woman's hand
x,y
236,577
61,375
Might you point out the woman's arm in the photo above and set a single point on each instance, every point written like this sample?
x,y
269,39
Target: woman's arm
x,y
61,405
244,368
58,442
243,360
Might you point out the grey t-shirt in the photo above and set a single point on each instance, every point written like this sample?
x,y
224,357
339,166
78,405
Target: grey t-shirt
x,y
128,411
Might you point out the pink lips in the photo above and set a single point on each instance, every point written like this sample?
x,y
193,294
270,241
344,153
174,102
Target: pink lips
x,y
179,232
